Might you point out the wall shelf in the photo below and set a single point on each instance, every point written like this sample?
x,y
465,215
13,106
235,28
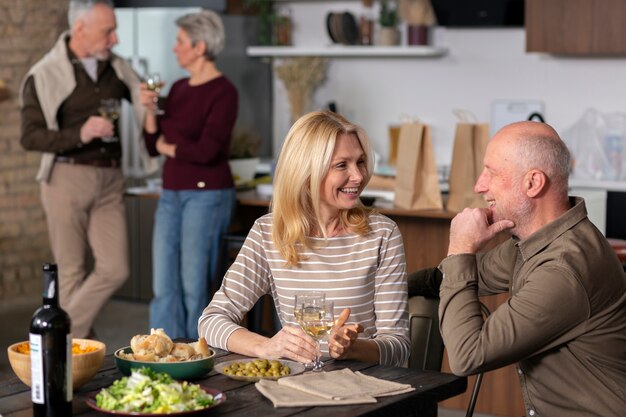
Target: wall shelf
x,y
346,51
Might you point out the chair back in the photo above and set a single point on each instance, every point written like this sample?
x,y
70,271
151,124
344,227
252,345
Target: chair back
x,y
426,341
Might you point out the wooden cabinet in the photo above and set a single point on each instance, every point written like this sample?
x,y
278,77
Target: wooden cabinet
x,y
576,27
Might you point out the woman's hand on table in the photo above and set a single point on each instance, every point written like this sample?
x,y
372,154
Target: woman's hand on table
x,y
291,342
343,336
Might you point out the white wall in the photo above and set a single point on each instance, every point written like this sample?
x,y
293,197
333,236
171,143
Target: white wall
x,y
482,65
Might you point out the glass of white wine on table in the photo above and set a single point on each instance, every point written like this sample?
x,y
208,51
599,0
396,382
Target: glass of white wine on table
x,y
318,326
110,110
308,305
154,82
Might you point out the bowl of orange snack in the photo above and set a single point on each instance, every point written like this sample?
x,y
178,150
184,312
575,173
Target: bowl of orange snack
x,y
87,357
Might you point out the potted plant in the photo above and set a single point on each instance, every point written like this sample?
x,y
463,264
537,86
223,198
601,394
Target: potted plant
x,y
388,19
265,10
244,148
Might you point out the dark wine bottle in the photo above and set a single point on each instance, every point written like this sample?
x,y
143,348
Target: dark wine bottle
x,y
51,353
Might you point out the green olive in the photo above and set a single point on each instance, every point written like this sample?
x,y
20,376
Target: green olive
x,y
258,368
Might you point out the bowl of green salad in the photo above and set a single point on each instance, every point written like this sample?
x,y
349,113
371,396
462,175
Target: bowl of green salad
x,y
148,393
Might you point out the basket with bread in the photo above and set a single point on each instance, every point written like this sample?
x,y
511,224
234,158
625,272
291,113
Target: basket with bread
x,y
159,352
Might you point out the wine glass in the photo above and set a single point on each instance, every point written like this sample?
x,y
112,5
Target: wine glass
x,y
319,326
308,305
110,110
154,82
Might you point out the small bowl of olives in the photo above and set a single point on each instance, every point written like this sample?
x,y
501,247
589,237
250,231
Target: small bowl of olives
x,y
256,369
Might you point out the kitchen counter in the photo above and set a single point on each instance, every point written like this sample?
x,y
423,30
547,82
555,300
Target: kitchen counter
x,y
598,185
425,232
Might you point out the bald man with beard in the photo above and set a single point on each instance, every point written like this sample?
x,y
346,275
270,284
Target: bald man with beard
x,y
564,323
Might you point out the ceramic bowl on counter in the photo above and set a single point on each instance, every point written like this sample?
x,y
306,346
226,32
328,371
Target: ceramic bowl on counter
x,y
84,365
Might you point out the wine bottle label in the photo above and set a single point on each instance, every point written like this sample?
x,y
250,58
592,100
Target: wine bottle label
x,y
36,369
38,395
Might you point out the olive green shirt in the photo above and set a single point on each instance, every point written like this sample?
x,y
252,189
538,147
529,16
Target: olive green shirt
x,y
564,323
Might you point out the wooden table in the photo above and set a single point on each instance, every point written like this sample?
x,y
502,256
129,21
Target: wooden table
x,y
243,399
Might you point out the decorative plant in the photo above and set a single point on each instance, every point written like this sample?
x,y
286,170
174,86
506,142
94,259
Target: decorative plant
x,y
245,143
388,14
301,76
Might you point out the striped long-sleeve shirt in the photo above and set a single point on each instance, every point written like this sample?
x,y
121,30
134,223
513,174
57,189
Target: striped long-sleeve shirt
x,y
364,273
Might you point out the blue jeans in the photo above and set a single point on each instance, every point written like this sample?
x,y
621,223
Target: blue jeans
x,y
188,228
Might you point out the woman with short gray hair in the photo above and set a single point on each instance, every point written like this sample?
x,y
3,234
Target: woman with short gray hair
x,y
198,196
206,27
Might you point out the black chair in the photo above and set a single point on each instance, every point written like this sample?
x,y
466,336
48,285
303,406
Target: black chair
x,y
426,341
231,244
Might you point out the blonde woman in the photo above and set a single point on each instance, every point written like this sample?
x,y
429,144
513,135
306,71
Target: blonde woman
x,y
319,236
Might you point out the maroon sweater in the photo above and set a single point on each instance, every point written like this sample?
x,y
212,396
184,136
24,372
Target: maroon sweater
x,y
199,120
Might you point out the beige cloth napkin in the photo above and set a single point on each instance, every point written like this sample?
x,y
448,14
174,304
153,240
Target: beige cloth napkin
x,y
329,388
344,384
283,396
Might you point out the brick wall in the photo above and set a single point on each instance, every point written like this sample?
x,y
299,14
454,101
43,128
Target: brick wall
x,y
28,28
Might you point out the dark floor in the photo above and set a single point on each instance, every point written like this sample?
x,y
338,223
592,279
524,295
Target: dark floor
x,y
119,321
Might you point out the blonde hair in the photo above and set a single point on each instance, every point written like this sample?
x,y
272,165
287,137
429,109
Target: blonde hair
x,y
303,163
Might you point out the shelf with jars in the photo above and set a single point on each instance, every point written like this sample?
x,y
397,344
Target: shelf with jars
x,y
347,51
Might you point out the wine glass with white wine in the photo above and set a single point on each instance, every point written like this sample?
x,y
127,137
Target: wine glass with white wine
x,y
110,110
154,82
318,327
308,305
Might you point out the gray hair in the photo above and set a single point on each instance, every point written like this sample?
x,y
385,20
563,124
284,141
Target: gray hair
x,y
78,8
205,26
548,154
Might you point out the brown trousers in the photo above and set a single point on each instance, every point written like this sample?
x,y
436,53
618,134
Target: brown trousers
x,y
84,208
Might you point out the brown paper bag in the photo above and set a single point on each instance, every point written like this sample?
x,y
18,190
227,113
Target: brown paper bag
x,y
417,185
470,142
